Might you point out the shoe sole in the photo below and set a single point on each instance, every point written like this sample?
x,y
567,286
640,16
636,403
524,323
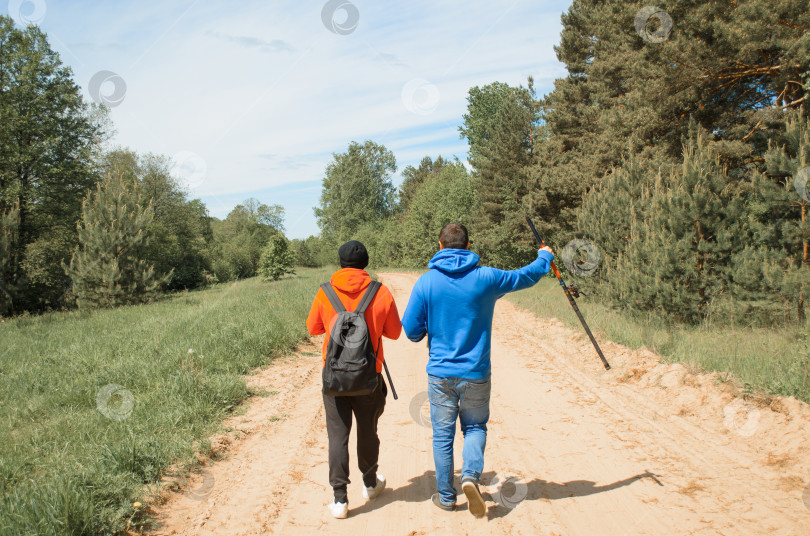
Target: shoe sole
x,y
338,516
343,516
475,502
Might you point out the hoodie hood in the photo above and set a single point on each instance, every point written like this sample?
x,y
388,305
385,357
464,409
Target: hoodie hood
x,y
350,280
453,261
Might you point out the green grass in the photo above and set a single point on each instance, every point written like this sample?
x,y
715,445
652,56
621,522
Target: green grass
x,y
74,456
772,361
69,467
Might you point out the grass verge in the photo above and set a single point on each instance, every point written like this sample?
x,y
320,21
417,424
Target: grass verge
x,y
773,361
95,405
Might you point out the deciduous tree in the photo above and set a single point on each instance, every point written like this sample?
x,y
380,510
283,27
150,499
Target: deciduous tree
x,y
357,189
48,138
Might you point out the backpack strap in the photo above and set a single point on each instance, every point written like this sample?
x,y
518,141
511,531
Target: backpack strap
x,y
333,297
371,291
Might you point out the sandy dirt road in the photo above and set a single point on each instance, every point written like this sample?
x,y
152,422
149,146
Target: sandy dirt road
x,y
646,448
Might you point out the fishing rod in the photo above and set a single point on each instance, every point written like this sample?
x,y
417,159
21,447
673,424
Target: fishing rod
x,y
569,293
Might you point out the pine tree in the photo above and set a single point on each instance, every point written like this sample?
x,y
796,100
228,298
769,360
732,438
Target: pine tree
x,y
684,230
777,260
277,259
106,267
730,66
180,232
610,212
789,161
679,241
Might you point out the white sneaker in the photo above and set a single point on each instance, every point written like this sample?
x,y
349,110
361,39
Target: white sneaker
x,y
339,510
370,493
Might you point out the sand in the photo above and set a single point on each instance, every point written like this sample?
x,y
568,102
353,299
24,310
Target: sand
x,y
645,448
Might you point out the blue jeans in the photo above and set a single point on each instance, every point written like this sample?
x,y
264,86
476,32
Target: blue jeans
x,y
468,401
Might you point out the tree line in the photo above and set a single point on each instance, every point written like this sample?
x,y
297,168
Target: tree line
x,y
679,161
82,223
675,161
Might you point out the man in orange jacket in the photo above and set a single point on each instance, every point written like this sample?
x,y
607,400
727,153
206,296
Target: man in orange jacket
x,y
382,317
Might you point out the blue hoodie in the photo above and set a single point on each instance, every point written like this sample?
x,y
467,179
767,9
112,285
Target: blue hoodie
x,y
453,304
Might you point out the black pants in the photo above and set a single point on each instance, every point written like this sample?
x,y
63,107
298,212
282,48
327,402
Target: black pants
x,y
367,410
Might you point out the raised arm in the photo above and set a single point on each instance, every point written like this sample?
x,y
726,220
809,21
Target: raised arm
x,y
512,280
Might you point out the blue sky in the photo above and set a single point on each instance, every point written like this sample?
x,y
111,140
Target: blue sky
x,y
251,99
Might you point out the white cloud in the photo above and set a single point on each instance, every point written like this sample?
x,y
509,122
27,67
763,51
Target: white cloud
x,y
264,93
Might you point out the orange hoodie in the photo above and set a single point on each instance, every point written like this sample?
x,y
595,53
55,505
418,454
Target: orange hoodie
x,y
350,284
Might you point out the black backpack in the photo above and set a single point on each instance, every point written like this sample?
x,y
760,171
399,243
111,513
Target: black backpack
x,y
351,363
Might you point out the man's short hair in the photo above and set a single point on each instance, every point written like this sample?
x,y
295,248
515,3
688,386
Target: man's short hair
x,y
454,235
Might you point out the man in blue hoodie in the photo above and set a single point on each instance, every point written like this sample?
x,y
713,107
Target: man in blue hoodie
x,y
453,305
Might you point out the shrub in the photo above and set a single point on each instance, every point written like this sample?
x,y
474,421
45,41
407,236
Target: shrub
x,y
276,259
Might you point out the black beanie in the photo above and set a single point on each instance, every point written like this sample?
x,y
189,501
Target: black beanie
x,y
353,254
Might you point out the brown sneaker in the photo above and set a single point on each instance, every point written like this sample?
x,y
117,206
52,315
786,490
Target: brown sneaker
x,y
475,502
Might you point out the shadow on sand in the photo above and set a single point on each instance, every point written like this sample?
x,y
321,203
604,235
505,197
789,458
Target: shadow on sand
x,y
420,488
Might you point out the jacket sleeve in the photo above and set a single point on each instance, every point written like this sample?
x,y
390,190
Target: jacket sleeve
x,y
414,321
392,327
315,318
506,281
